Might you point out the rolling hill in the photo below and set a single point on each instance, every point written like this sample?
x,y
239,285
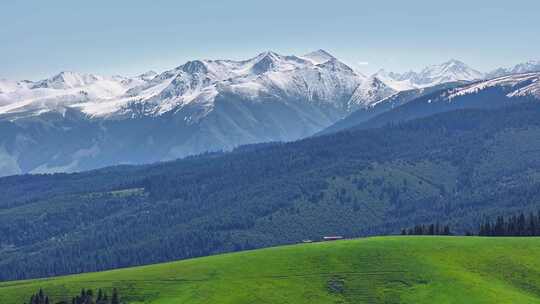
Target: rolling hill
x,y
373,270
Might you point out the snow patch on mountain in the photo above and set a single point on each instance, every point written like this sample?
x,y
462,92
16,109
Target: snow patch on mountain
x,y
120,105
391,80
66,80
514,85
59,91
9,86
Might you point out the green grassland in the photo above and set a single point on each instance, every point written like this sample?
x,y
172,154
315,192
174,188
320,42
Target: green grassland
x,y
371,270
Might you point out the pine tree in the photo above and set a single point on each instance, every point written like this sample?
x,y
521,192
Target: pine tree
x,y
100,296
446,230
115,299
431,229
531,230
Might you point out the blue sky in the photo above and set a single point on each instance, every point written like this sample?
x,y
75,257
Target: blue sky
x,y
40,38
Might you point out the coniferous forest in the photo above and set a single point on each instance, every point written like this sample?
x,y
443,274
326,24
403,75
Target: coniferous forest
x,y
513,225
516,225
431,229
86,296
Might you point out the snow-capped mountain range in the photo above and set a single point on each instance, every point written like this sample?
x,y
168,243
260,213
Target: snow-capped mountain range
x,y
525,67
485,94
85,121
450,71
418,103
316,77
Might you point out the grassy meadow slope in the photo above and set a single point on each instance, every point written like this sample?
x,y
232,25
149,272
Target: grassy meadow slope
x,y
372,270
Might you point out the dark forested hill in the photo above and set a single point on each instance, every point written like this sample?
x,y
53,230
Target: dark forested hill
x,y
451,168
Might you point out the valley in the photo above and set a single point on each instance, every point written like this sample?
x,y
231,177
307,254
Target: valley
x,y
455,168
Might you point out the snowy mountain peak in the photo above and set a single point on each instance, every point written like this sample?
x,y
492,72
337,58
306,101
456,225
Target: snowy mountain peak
x,y
525,67
455,67
271,61
452,70
454,62
148,75
335,65
319,56
370,91
265,62
268,54
194,67
67,80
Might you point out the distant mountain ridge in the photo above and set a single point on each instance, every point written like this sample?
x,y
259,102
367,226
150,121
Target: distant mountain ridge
x,y
491,93
450,71
86,121
525,67
487,94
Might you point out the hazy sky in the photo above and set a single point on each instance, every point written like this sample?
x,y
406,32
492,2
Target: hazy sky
x,y
39,38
